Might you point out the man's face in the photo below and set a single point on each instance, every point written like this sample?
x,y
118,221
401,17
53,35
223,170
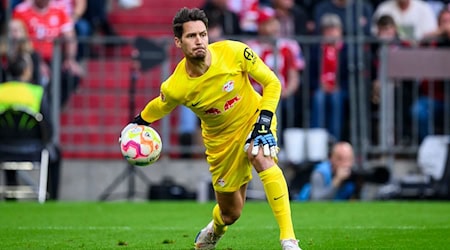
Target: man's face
x,y
342,158
194,41
16,30
284,4
444,21
41,3
269,28
403,1
332,32
387,32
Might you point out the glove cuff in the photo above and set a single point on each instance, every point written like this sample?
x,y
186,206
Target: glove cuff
x,y
140,121
265,118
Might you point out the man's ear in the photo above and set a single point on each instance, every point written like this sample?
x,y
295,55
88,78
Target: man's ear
x,y
177,42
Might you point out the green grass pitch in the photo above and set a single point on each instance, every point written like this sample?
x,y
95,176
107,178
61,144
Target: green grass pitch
x,y
173,225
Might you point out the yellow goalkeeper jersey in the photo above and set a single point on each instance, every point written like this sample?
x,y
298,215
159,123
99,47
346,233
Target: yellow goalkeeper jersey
x,y
223,98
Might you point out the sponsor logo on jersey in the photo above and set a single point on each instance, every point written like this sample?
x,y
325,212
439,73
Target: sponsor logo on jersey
x,y
230,103
229,86
249,55
212,111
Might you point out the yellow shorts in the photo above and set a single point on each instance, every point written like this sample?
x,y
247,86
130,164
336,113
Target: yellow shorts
x,y
230,168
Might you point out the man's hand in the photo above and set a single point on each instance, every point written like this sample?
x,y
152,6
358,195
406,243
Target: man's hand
x,y
140,121
135,122
262,136
342,174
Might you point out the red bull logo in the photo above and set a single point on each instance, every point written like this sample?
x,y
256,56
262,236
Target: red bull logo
x,y
213,111
230,103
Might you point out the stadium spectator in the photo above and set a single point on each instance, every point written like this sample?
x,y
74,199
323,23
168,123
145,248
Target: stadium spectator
x,y
215,30
292,17
288,63
330,180
308,6
329,77
430,103
442,32
387,35
76,9
414,18
247,10
97,15
20,73
220,12
18,43
341,8
45,22
238,124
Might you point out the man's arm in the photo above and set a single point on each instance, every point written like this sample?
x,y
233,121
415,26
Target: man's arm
x,y
79,10
319,189
293,81
270,83
70,62
156,109
70,45
262,134
160,106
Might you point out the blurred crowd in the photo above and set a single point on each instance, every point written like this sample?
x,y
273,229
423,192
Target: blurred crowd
x,y
274,29
281,32
271,27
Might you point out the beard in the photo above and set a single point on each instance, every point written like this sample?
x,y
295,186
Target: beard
x,y
198,56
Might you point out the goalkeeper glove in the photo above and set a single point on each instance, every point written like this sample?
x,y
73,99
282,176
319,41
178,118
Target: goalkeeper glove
x,y
138,120
262,135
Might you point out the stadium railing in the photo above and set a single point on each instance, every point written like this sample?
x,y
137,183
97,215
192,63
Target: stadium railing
x,y
89,125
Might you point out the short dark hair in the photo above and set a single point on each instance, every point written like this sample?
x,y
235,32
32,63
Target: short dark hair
x,y
185,15
385,20
16,66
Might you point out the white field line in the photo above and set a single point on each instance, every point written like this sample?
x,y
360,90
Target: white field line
x,y
128,228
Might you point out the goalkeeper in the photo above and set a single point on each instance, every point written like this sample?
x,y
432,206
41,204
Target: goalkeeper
x,y
238,124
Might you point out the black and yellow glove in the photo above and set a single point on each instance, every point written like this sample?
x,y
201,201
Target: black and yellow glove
x,y
262,135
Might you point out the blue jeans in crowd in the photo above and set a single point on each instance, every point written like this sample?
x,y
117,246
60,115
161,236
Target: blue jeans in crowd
x,y
327,112
421,114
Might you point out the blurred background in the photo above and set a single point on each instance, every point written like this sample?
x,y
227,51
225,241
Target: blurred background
x,y
374,74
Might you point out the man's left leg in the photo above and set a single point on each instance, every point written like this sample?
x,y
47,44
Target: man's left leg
x,y
278,197
277,194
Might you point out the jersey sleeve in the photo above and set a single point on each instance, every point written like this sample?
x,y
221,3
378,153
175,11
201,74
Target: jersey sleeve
x,y
159,106
264,76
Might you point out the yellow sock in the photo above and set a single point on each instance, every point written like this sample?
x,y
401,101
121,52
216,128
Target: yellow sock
x,y
278,198
219,225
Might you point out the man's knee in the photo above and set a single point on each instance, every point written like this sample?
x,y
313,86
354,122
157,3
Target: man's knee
x,y
230,217
260,162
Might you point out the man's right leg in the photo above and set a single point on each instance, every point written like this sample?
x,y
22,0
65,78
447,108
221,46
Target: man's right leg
x,y
227,210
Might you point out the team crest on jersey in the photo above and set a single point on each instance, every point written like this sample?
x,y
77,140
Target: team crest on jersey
x,y
221,182
229,86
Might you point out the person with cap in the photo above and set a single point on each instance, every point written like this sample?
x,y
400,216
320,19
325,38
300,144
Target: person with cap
x,y
288,63
329,77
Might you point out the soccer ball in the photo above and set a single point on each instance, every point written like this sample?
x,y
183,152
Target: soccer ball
x,y
140,145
